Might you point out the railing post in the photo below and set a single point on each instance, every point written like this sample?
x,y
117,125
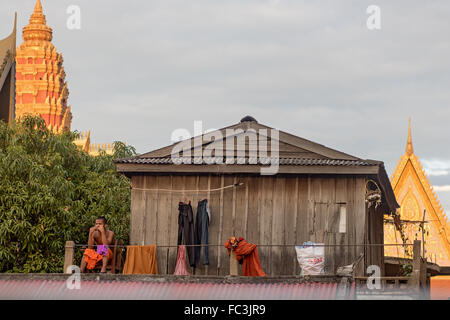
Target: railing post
x,y
234,271
69,255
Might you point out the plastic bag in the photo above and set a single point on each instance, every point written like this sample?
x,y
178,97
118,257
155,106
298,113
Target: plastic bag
x,y
311,257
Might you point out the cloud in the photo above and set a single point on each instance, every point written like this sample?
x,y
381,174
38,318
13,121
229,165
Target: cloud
x,y
436,167
442,188
437,172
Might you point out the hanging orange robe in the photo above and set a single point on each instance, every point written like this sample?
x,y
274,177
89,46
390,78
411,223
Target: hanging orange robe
x,y
92,257
141,260
249,253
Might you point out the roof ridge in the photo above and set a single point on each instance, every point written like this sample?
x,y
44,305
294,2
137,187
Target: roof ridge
x,y
262,160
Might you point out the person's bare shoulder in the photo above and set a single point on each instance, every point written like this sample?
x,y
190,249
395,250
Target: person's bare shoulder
x,y
110,235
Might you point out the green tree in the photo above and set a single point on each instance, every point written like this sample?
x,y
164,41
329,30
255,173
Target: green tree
x,y
51,192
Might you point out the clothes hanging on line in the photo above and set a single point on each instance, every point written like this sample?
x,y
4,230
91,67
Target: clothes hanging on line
x,y
180,268
186,229
141,260
247,252
201,235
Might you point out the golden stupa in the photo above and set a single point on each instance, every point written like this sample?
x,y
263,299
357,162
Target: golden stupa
x,y
40,81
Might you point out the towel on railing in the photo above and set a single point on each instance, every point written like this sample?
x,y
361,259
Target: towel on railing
x,y
249,253
141,260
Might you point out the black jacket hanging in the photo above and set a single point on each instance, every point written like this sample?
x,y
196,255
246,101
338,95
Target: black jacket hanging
x,y
186,229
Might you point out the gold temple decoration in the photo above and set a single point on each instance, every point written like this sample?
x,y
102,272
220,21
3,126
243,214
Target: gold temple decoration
x,y
415,194
40,82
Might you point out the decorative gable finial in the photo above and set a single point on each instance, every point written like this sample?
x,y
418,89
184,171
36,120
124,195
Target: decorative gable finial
x,y
409,146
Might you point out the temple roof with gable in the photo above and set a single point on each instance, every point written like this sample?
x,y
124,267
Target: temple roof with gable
x,y
7,77
7,51
409,167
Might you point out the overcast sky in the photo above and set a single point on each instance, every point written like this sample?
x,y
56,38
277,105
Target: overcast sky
x,y
139,69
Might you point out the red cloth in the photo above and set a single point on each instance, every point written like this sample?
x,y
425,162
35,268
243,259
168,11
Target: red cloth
x,y
247,251
180,268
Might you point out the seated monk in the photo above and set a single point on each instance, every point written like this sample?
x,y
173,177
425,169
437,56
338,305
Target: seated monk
x,y
100,236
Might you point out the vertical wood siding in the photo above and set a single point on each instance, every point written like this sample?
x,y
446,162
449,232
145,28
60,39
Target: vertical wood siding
x,y
265,210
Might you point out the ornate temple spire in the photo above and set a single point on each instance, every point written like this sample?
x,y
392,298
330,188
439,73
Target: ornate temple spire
x,y
40,78
409,146
38,6
37,28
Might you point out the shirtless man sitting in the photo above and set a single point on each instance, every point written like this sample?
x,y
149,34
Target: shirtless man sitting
x,y
100,236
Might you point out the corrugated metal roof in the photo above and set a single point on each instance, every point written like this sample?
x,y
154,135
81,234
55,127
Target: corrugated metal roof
x,y
248,161
144,290
440,288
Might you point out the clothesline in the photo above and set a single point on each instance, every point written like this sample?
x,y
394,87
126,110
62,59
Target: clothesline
x,y
190,191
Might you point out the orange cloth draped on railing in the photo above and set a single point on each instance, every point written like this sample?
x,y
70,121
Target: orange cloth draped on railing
x,y
92,257
247,251
141,260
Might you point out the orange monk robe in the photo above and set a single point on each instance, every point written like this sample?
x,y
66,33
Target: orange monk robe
x,y
92,257
251,263
141,260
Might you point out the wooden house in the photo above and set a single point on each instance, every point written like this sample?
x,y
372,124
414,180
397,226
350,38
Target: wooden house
x,y
317,194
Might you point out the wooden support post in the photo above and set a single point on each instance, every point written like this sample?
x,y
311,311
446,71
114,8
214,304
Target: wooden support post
x,y
69,255
423,234
233,264
415,276
423,274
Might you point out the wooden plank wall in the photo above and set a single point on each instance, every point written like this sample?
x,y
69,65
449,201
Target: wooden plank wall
x,y
375,234
265,210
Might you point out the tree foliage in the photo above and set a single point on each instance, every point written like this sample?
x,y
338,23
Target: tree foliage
x,y
51,192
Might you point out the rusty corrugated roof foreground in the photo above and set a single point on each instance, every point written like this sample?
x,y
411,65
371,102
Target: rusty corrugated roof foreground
x,y
440,288
248,160
161,289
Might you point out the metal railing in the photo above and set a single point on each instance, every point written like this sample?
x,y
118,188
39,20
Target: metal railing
x,y
276,259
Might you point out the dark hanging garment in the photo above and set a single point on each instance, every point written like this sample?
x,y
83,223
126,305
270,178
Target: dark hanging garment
x,y
202,231
186,229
